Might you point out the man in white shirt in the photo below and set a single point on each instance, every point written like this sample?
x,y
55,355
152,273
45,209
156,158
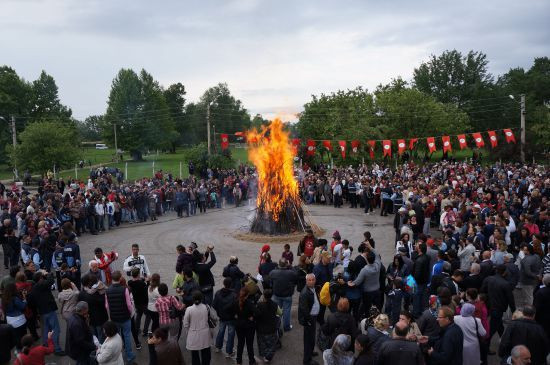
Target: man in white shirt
x,y
308,309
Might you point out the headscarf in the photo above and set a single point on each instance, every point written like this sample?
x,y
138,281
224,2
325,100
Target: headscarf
x,y
467,310
338,354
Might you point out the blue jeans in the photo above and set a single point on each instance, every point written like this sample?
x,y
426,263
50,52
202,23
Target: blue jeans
x,y
285,303
51,323
125,329
230,325
193,207
419,300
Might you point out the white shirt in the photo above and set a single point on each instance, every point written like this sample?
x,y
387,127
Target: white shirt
x,y
315,307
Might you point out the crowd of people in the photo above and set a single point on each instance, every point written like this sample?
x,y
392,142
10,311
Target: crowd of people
x,y
471,259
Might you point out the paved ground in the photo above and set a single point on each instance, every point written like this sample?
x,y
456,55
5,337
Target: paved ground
x,y
159,239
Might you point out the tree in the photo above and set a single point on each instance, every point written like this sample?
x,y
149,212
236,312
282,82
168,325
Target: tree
x,y
45,144
452,77
258,121
175,99
138,108
45,103
90,129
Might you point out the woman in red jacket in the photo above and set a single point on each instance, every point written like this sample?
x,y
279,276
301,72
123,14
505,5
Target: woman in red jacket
x,y
33,355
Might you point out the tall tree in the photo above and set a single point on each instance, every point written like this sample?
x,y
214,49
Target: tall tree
x,y
90,128
45,103
175,99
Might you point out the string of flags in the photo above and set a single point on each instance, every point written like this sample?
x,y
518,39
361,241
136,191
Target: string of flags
x,y
387,146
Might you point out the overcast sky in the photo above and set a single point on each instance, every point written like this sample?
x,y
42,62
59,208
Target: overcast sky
x,y
272,54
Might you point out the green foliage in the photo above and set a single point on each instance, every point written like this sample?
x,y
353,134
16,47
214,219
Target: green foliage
x,y
45,144
138,107
45,103
199,156
90,129
175,100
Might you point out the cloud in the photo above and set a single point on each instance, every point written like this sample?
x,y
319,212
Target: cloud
x,y
273,55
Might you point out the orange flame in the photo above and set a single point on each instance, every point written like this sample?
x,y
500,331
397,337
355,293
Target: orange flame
x,y
273,155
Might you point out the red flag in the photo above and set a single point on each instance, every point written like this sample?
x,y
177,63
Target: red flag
x,y
446,144
310,147
372,144
492,138
386,144
412,143
509,136
355,146
401,146
225,141
462,141
431,144
342,148
327,145
295,145
478,139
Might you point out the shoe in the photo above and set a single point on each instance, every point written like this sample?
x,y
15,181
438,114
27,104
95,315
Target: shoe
x,y
288,329
60,353
216,350
266,360
230,355
138,346
145,334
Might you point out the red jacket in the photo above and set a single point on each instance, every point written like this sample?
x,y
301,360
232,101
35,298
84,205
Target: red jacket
x,y
36,355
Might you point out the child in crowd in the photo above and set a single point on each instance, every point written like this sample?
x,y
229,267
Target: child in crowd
x,y
287,254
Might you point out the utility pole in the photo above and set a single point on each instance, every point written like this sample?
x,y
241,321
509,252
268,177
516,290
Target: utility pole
x,y
14,140
208,127
116,145
522,146
214,130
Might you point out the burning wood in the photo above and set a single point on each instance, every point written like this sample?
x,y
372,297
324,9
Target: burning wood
x,y
279,209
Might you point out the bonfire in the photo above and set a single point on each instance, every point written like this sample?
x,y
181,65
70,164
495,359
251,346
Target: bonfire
x,y
278,205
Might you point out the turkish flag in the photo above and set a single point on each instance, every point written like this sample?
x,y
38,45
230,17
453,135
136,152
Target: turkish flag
x,y
327,145
225,141
509,136
310,147
295,145
478,139
492,138
372,144
355,146
462,141
431,144
412,142
401,146
446,144
386,145
342,148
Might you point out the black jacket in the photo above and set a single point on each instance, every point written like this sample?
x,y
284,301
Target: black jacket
x,y
225,304
376,338
305,303
499,292
80,343
427,324
421,269
244,314
487,269
266,317
365,358
525,332
283,281
400,351
472,281
232,271
448,348
301,276
7,343
542,303
206,279
339,323
41,296
96,307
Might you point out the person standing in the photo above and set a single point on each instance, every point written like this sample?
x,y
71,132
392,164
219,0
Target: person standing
x,y
283,281
120,308
164,305
224,304
13,305
7,343
245,326
30,355
93,293
448,348
203,271
138,289
110,351
323,274
199,337
136,260
421,274
267,325
541,303
473,330
369,278
530,269
308,310
166,351
399,350
80,343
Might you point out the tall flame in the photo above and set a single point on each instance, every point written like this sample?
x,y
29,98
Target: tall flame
x,y
272,154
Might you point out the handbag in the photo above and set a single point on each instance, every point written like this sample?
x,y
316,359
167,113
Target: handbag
x,y
480,339
212,321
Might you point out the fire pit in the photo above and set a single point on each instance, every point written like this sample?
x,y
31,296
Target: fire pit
x,y
278,205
